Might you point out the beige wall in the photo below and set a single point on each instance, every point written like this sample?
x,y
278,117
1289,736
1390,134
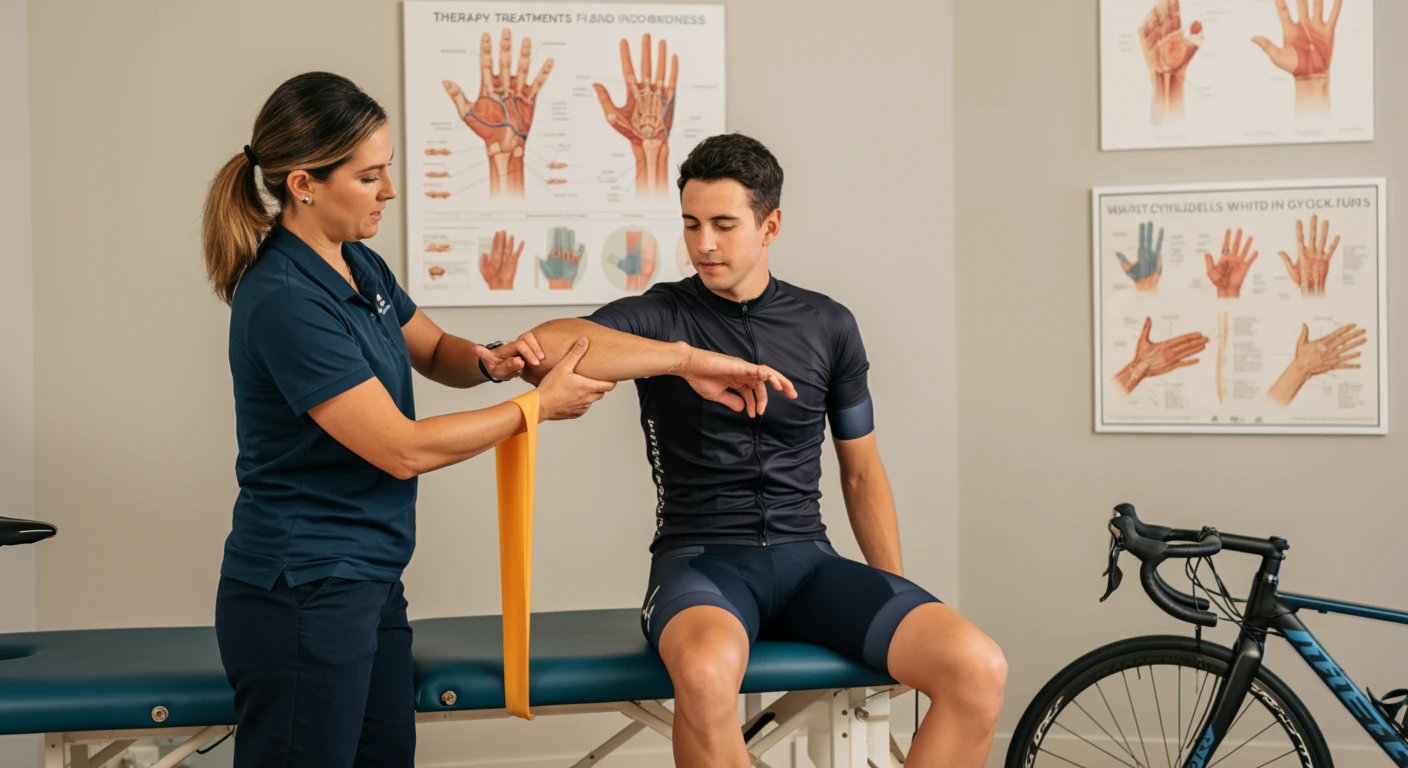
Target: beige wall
x,y
1034,507
17,564
136,104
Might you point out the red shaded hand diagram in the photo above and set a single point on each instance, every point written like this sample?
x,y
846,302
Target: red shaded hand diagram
x,y
1312,264
647,115
502,115
1167,52
1156,358
1230,270
500,263
1307,46
1330,352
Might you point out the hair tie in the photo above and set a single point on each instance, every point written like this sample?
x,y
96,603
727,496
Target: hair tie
x,y
249,153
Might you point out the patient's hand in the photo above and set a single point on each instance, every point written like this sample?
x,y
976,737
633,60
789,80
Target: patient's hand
x,y
737,384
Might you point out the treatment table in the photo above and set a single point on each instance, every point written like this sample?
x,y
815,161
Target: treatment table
x,y
94,692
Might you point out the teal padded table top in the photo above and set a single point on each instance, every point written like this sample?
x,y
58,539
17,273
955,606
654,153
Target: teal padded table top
x,y
101,679
594,657
113,679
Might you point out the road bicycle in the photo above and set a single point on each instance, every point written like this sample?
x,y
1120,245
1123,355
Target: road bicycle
x,y
1185,702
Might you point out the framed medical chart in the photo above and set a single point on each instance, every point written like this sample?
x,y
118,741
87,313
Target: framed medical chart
x,y
1255,308
542,142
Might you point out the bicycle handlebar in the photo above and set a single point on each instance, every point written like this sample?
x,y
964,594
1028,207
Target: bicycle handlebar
x,y
1151,544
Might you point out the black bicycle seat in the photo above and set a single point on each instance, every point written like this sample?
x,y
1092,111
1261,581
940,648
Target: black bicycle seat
x,y
16,531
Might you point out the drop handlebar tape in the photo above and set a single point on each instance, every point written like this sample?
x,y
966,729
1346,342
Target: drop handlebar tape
x,y
516,460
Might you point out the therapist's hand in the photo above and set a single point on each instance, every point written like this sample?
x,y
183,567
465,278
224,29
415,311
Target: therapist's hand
x,y
511,359
565,394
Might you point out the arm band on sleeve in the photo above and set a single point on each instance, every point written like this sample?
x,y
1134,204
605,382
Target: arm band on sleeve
x,y
855,421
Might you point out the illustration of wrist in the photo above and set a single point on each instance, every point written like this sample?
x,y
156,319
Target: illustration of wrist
x,y
1286,387
1129,377
1150,283
1229,292
559,284
650,148
515,171
1313,93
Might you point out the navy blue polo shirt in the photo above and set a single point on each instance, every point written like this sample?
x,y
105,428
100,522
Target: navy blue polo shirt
x,y
308,507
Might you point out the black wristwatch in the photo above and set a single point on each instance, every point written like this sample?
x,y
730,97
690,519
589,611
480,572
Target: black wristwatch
x,y
484,370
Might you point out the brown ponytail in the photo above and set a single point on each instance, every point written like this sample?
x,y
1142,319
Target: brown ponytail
x,y
234,223
312,122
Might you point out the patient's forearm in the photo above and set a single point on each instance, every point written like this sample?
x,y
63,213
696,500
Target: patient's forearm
x,y
870,505
611,355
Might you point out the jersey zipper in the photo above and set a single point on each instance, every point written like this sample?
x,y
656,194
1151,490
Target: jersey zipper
x,y
757,428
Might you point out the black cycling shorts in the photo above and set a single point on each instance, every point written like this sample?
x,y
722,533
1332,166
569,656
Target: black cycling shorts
x,y
802,592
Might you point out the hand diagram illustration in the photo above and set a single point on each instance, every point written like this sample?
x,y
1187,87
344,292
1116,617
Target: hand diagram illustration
x,y
1314,357
1228,272
1146,271
564,262
1307,45
647,115
639,262
499,265
1312,263
1167,52
1156,358
502,115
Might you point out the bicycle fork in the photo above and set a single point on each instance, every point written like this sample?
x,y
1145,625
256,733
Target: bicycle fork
x,y
1265,609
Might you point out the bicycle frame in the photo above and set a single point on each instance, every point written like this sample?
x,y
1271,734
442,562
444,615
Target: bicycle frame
x,y
1269,610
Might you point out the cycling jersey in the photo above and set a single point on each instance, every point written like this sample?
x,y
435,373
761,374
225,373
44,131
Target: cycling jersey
x,y
723,477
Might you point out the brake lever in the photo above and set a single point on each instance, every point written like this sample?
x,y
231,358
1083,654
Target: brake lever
x,y
1113,570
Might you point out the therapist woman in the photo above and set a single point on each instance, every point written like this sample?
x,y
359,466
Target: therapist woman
x,y
310,612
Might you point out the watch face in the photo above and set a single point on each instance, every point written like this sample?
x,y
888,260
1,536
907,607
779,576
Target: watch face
x,y
494,345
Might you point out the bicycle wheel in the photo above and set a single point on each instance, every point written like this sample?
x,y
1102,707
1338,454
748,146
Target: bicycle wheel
x,y
1140,702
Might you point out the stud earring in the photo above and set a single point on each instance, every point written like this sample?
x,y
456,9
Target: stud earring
x,y
307,201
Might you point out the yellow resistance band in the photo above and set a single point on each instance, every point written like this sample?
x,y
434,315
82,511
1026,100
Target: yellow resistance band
x,y
517,459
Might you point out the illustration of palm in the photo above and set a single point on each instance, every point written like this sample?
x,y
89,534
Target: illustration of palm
x,y
647,115
1307,43
564,260
1146,270
502,115
1230,271
1166,50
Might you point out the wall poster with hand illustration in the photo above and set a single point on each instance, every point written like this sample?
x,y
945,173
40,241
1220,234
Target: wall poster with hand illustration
x,y
542,146
1255,307
1199,73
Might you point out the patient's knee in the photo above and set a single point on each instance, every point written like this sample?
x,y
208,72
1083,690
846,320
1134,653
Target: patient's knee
x,y
974,679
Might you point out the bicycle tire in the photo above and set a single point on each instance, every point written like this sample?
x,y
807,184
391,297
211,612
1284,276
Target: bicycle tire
x,y
1132,653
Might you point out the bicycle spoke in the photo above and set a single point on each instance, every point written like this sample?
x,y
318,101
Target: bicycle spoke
x,y
1097,746
1113,740
1245,743
1109,709
1163,732
1132,710
1192,735
1058,757
1269,762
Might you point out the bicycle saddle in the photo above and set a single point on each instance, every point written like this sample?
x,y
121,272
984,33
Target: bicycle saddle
x,y
16,531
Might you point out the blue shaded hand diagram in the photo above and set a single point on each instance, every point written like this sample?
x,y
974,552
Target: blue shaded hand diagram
x,y
1146,270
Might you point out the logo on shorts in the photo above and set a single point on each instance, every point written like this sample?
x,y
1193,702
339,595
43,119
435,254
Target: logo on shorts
x,y
649,607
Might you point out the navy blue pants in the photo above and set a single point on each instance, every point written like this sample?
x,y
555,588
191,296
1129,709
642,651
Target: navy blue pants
x,y
804,592
321,672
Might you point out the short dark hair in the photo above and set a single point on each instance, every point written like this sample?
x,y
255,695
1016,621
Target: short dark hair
x,y
743,159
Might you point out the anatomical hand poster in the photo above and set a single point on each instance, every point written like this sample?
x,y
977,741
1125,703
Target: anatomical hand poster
x,y
1199,73
543,142
1242,307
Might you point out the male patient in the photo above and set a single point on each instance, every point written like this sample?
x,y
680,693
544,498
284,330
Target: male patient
x,y
740,551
